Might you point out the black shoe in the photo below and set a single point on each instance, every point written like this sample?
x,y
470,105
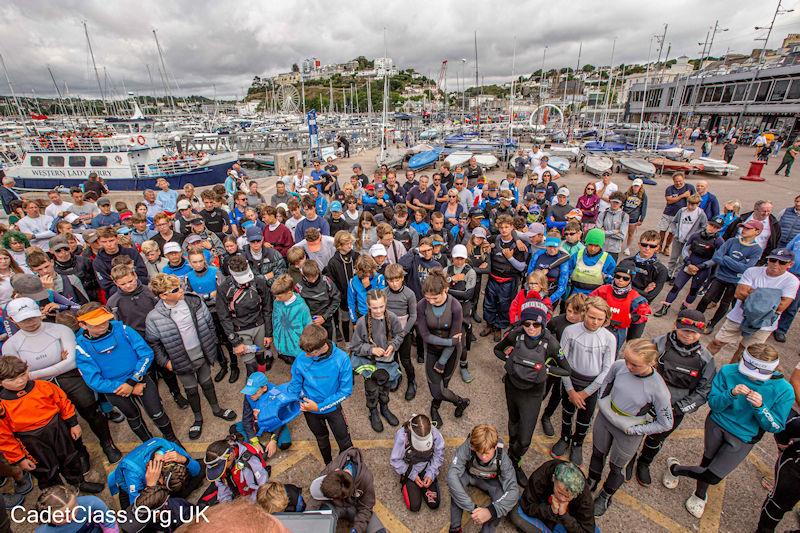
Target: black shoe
x,y
112,453
461,407
421,359
226,414
779,336
643,474
24,485
180,401
522,479
375,420
411,390
601,503
559,449
547,426
196,430
234,377
477,318
388,415
576,454
91,488
221,374
436,418
115,415
661,312
472,337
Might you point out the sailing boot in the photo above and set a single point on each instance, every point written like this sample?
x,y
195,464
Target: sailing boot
x,y
662,311
375,420
411,390
388,415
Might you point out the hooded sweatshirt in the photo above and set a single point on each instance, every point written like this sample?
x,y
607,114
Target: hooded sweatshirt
x,y
288,321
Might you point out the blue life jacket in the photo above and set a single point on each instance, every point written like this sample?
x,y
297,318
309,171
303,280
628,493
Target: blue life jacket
x,y
276,408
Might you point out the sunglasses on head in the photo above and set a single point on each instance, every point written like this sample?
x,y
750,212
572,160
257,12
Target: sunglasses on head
x,y
648,245
530,324
622,277
780,261
751,366
692,323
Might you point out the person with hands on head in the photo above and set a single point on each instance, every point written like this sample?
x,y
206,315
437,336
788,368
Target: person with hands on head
x,y
747,399
417,456
556,499
322,378
481,462
114,359
38,428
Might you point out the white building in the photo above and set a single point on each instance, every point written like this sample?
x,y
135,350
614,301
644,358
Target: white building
x,y
384,66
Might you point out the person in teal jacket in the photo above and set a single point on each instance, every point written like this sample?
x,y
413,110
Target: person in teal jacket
x,y
128,478
289,316
747,399
322,378
365,279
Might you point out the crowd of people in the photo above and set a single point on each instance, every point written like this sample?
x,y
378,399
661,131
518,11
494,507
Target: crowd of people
x,y
377,279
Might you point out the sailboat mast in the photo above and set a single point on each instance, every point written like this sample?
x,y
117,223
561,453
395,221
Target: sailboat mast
x,y
385,96
511,98
165,78
94,66
477,83
13,94
575,90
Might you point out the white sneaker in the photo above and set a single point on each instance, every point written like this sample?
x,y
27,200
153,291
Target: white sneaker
x,y
670,481
695,506
627,251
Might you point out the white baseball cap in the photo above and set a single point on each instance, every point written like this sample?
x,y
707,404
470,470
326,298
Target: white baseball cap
x,y
563,191
638,181
172,247
20,309
377,250
184,204
459,250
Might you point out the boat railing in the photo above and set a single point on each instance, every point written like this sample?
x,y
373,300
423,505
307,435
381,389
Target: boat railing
x,y
168,168
73,144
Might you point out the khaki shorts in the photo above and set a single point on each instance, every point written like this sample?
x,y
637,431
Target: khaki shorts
x,y
664,222
731,333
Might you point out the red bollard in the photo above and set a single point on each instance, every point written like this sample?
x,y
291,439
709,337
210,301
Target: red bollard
x,y
754,173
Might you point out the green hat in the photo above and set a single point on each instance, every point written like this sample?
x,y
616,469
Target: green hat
x,y
595,236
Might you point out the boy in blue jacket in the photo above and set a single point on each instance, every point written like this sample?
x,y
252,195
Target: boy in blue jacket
x,y
286,320
322,378
114,360
365,279
259,416
129,477
747,399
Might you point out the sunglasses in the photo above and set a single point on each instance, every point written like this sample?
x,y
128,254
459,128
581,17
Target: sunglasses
x,y
780,261
692,323
648,245
491,189
590,188
175,290
622,277
751,366
452,196
570,233
530,324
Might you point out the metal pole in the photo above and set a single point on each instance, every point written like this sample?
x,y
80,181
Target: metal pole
x,y
13,94
94,65
511,98
165,79
574,111
608,83
644,94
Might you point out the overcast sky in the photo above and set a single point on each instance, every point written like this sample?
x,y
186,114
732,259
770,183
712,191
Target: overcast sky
x,y
225,43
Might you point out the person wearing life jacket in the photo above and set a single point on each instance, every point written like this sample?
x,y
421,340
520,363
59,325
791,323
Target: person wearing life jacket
x,y
266,410
235,469
128,478
481,461
462,279
528,350
591,267
688,370
417,456
627,305
553,261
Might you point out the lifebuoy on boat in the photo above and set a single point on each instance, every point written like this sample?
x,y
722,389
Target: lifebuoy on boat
x,y
141,140
70,143
118,159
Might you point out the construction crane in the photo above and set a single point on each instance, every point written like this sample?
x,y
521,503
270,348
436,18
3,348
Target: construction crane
x,y
442,83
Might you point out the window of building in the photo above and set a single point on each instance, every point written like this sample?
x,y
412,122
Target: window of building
x,y
779,90
794,90
670,96
727,93
706,94
687,95
55,161
98,161
738,94
716,95
763,91
77,161
37,161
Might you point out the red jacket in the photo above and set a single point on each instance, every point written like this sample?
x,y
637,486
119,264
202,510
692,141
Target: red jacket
x,y
633,309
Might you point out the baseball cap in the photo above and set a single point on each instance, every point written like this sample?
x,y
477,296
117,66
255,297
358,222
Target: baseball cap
x,y
476,212
718,221
753,224
124,230
563,191
356,165
369,187
302,191
781,254
552,241
282,205
379,186
535,208
58,243
537,228
540,188
437,240
316,489
638,181
480,231
377,250
459,250
172,247
691,320
184,204
191,239
90,236
29,285
103,201
255,381
20,309
254,234
196,221
96,317
336,207
125,216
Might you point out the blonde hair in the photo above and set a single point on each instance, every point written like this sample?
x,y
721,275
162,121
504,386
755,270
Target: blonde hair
x,y
365,266
394,271
763,352
272,497
342,237
483,438
600,304
149,246
162,283
642,348
540,278
282,284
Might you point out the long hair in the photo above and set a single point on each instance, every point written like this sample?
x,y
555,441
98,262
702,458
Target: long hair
x,y
15,269
375,295
366,215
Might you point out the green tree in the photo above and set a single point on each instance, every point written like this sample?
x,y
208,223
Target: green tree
x,y
588,68
295,67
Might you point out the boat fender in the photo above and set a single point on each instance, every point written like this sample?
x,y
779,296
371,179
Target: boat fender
x,y
141,140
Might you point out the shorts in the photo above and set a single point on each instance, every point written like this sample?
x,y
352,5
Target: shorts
x,y
726,450
613,442
731,333
664,222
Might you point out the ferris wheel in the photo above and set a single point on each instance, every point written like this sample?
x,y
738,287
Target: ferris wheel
x,y
288,98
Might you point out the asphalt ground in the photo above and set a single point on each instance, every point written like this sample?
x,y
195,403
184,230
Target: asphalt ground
x,y
733,505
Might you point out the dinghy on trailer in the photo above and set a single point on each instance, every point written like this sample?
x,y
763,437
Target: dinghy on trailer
x,y
714,166
486,160
637,166
424,159
458,158
597,164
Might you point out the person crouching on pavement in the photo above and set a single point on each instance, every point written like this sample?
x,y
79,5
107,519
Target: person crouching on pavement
x,y
418,456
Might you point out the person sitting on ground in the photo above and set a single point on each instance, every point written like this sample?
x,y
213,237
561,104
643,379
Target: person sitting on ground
x,y
235,469
418,456
256,424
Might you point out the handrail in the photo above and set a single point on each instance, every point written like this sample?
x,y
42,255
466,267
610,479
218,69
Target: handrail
x,y
168,168
75,144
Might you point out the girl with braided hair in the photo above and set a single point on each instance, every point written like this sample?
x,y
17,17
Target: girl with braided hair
x,y
70,512
374,347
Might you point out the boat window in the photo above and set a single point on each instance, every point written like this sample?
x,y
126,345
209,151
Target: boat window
x,y
55,161
763,91
727,93
738,94
779,90
794,90
37,161
98,161
77,161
